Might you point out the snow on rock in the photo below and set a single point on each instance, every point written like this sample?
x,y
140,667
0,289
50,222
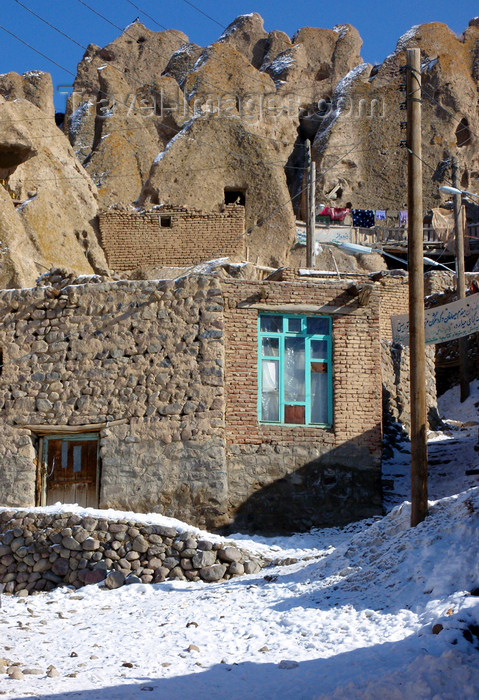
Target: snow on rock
x,y
404,40
341,29
346,83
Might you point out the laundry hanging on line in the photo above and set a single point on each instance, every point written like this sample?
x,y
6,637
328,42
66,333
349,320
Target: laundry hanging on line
x,y
363,218
334,213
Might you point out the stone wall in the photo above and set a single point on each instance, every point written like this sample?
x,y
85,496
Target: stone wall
x,y
170,236
139,361
40,551
293,477
440,281
146,366
396,385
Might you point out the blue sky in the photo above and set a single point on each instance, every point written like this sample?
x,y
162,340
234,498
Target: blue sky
x,y
379,23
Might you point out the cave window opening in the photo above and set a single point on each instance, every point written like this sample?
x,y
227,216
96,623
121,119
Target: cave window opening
x,y
463,133
235,197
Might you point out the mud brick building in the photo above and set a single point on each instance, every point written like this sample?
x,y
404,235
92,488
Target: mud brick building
x,y
168,235
255,405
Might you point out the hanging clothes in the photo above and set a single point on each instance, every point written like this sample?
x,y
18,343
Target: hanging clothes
x,y
380,215
363,218
403,217
334,213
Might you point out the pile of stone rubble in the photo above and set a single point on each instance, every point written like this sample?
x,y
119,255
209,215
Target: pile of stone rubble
x,y
40,551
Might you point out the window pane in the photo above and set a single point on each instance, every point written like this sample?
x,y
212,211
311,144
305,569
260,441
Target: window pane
x,y
271,324
294,414
270,390
64,454
270,347
294,325
77,458
294,369
319,393
319,349
317,325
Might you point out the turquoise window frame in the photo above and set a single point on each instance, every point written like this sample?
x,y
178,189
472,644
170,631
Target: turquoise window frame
x,y
309,337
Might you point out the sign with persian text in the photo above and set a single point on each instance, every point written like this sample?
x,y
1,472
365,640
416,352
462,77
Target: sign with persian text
x,y
325,234
442,323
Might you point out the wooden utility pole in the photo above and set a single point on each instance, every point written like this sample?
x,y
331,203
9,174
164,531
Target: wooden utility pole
x,y
417,341
310,206
460,278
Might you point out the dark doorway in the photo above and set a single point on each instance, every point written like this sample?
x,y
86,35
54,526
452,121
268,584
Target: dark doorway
x,y
235,197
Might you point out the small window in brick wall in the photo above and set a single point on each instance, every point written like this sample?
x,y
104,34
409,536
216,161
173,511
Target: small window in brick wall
x,y
166,221
294,368
1,362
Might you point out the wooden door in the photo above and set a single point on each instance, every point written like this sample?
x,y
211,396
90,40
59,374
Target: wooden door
x,y
71,469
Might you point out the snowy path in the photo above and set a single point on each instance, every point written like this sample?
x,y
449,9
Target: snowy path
x,y
352,619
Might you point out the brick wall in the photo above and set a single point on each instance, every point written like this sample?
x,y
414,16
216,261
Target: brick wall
x,y
394,294
131,239
332,472
391,285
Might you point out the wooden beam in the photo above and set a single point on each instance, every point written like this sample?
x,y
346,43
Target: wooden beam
x,y
49,429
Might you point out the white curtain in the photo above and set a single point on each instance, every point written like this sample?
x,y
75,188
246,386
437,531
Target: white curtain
x,y
270,390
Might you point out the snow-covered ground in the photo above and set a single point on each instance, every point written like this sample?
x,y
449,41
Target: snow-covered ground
x,y
352,618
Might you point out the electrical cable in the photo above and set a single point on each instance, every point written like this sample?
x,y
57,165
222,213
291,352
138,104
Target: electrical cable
x,y
25,43
167,57
113,66
209,144
162,26
52,26
274,140
203,13
281,206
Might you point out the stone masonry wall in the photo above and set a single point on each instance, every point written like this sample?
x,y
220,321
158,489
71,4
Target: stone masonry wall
x,y
40,551
131,240
149,364
293,477
396,378
147,354
440,281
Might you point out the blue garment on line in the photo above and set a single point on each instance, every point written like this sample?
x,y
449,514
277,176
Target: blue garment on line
x,y
363,218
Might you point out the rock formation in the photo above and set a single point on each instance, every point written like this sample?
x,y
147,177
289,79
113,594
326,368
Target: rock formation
x,y
119,104
212,156
155,119
357,146
48,203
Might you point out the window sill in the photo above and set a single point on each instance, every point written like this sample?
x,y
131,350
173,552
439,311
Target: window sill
x,y
320,426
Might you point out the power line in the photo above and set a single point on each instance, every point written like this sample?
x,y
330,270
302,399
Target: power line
x,y
163,55
42,19
195,7
162,26
285,143
124,104
25,43
211,145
